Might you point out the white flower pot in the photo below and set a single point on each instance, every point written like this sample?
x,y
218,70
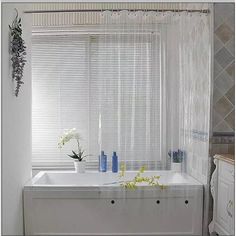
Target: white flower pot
x,y
176,167
79,166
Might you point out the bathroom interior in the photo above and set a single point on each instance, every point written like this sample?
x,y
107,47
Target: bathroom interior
x,y
118,118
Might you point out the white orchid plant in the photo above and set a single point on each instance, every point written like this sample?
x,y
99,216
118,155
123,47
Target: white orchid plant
x,y
66,137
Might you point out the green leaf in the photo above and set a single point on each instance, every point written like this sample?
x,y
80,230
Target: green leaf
x,y
74,153
73,156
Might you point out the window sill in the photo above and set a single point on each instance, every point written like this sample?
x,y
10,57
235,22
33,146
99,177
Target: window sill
x,y
45,168
93,165
61,165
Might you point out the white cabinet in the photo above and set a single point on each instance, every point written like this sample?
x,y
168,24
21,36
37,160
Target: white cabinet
x,y
222,189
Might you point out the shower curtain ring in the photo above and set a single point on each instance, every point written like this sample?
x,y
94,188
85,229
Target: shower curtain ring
x,y
201,13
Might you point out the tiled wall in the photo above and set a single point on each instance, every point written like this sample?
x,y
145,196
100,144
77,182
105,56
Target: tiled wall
x,y
224,79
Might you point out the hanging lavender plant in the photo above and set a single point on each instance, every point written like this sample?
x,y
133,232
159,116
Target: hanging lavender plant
x,y
17,52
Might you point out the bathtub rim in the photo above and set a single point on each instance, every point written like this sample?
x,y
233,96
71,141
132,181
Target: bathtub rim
x,y
32,183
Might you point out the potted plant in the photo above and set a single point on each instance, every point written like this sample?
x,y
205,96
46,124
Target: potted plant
x,y
177,159
78,156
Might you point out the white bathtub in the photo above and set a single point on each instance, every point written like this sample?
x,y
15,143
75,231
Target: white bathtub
x,y
67,203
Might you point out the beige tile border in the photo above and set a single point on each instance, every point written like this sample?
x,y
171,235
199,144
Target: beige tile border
x,y
225,157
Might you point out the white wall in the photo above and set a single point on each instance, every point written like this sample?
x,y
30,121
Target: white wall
x,y
16,127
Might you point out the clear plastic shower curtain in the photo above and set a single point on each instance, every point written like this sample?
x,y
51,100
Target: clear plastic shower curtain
x,y
127,72
151,89
195,93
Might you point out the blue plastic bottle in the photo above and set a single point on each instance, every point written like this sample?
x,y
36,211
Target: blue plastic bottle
x,y
99,161
114,163
103,162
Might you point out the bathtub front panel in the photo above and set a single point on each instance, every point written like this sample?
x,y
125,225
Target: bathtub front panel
x,y
73,211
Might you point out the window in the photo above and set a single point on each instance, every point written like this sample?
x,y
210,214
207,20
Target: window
x,y
107,87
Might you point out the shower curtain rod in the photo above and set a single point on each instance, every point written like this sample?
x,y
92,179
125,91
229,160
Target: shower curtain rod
x,y
117,10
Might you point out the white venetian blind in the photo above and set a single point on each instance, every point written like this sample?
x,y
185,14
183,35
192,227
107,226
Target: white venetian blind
x,y
106,86
60,92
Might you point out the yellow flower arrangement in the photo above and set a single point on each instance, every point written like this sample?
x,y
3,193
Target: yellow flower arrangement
x,y
132,184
